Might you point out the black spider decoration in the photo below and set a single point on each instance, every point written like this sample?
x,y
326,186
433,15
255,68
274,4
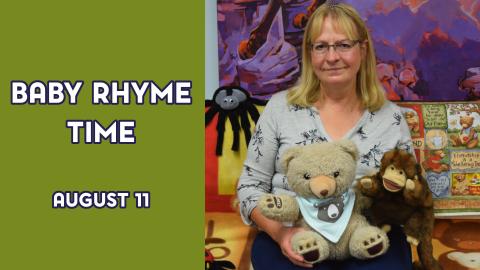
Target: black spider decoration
x,y
233,102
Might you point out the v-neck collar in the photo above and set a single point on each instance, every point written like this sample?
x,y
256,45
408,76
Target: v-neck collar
x,y
348,134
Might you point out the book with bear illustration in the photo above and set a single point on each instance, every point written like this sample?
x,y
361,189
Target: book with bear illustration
x,y
446,143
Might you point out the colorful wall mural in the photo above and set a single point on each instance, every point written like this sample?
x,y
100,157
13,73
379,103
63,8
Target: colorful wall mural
x,y
426,50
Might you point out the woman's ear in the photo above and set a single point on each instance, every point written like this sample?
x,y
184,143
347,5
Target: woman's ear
x,y
363,48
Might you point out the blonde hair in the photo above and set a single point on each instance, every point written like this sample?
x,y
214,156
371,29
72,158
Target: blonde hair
x,y
369,89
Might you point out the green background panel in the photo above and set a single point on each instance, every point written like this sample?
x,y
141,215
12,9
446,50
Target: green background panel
x,y
434,116
102,40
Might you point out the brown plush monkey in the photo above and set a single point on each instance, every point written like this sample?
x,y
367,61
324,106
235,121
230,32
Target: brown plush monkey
x,y
400,195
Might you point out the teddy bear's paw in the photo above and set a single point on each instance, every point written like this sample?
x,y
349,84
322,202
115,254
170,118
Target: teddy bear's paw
x,y
311,246
366,183
277,207
368,242
412,240
410,185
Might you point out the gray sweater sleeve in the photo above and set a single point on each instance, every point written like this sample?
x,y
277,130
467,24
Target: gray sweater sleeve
x,y
259,166
405,139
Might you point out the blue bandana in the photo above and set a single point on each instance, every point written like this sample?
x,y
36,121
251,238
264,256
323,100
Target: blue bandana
x,y
329,217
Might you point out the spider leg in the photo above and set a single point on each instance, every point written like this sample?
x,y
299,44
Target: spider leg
x,y
258,101
210,114
209,103
236,130
253,112
245,125
220,132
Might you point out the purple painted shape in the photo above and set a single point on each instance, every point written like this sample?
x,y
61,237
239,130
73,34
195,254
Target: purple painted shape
x,y
274,67
438,40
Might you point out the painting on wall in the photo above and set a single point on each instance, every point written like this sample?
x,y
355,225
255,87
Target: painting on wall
x,y
426,50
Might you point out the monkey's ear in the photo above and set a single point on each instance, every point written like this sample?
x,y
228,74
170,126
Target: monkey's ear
x,y
288,155
349,147
388,156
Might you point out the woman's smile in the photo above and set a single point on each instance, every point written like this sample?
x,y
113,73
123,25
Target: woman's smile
x,y
333,68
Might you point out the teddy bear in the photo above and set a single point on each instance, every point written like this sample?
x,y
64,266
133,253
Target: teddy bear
x,y
412,121
325,204
460,186
436,161
467,137
401,196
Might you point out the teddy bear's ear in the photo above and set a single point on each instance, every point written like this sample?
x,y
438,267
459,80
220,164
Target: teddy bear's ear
x,y
349,147
288,155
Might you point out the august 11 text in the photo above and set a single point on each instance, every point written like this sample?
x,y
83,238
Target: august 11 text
x,y
99,199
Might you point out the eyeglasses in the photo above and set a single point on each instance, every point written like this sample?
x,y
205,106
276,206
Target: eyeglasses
x,y
339,47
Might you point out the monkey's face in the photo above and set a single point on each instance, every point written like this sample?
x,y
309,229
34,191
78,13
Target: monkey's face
x,y
394,179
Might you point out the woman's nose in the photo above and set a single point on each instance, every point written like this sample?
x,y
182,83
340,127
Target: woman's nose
x,y
332,55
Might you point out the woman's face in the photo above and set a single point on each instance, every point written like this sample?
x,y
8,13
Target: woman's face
x,y
339,66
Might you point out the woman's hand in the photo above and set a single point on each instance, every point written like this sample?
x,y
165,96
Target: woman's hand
x,y
280,234
283,238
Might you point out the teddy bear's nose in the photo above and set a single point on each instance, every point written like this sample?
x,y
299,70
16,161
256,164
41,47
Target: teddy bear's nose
x,y
324,192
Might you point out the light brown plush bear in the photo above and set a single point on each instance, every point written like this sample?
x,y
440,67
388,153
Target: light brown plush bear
x,y
326,205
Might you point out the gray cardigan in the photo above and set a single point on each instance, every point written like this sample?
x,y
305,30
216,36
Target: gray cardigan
x,y
281,126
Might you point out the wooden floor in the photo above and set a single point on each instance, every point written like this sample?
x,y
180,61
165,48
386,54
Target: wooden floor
x,y
456,242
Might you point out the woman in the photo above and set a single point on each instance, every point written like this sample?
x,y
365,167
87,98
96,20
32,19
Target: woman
x,y
338,96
